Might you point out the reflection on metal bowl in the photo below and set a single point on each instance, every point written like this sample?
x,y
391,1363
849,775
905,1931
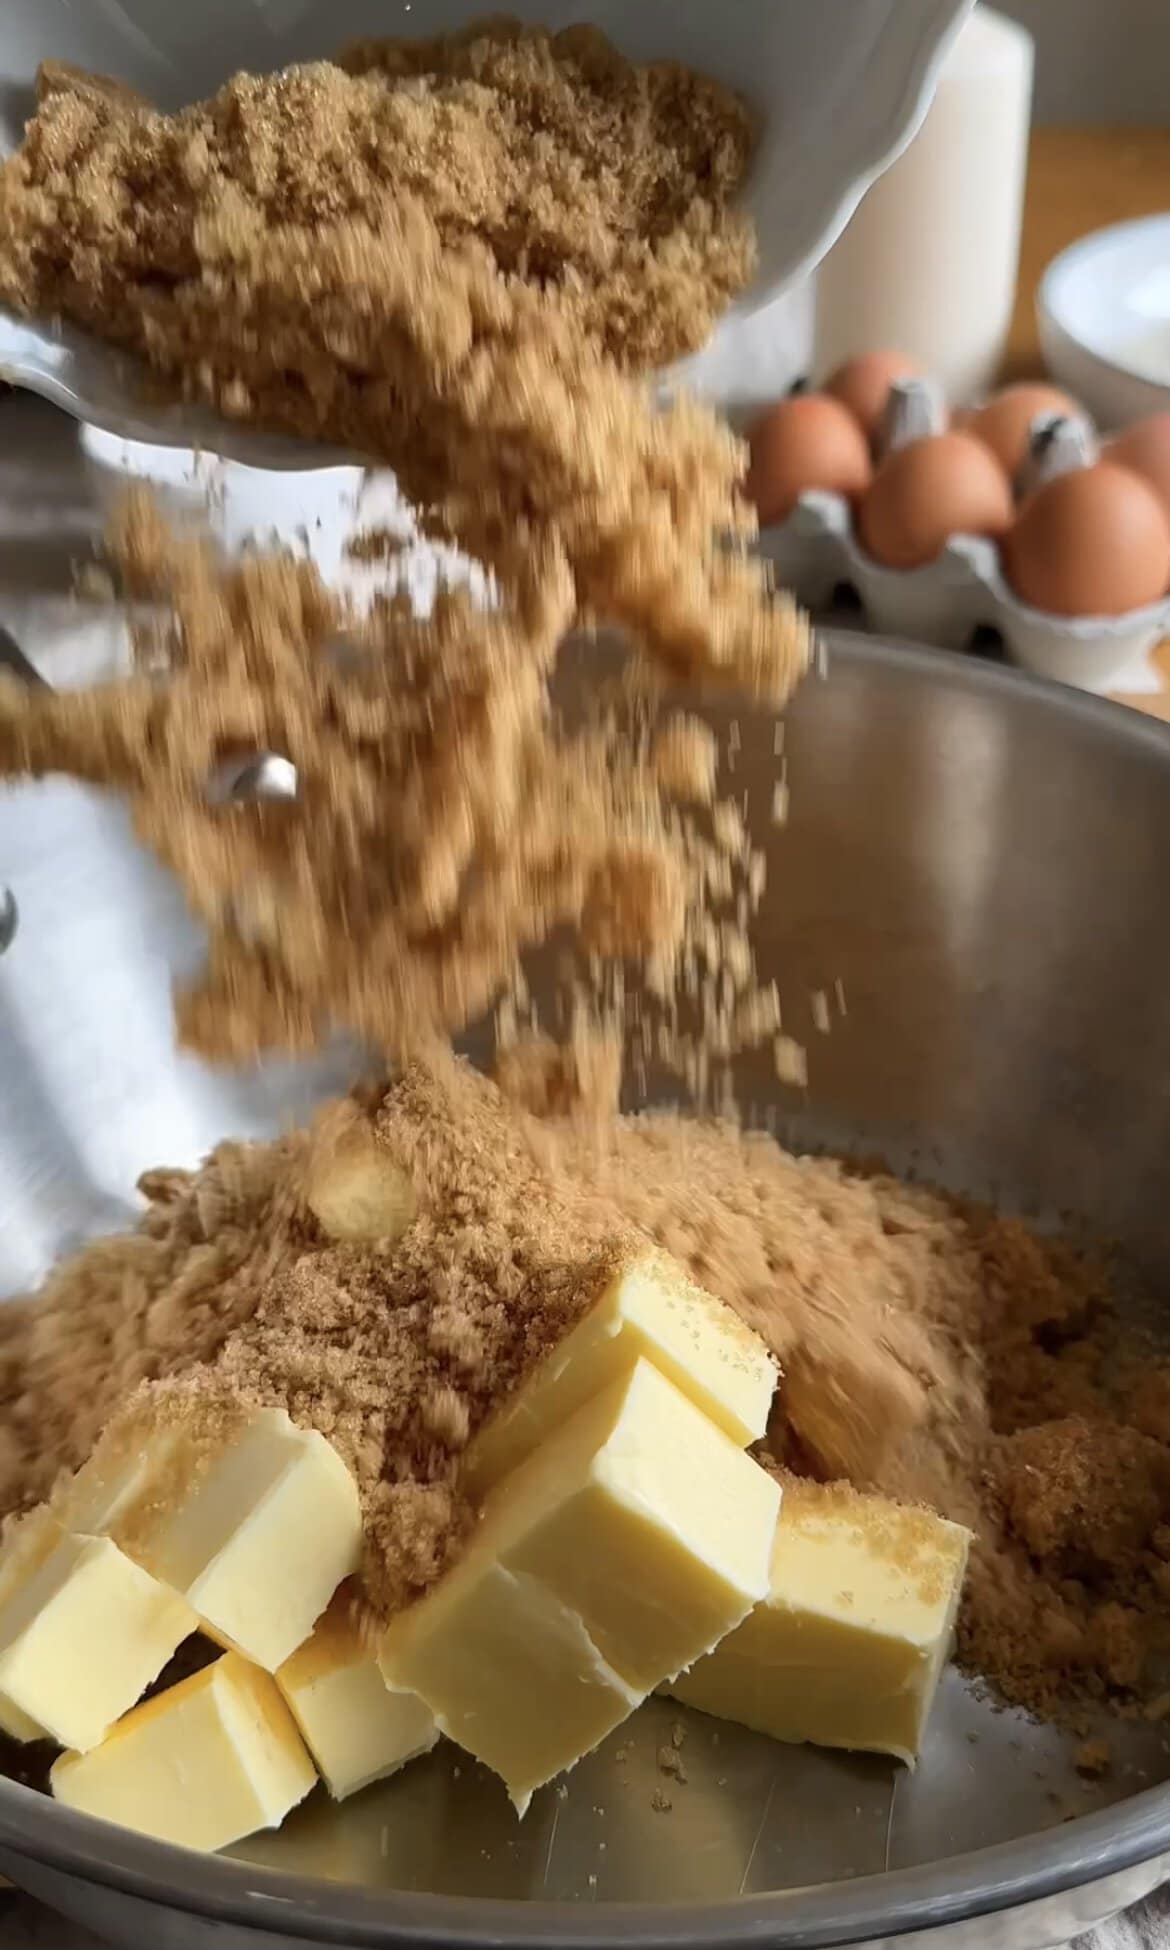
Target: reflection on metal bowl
x,y
981,861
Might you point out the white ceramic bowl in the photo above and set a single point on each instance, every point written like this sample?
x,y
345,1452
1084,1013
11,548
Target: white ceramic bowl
x,y
840,88
1103,312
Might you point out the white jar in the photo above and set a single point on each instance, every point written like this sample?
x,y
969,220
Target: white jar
x,y
927,266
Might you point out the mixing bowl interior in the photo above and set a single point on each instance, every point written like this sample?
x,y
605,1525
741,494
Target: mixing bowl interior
x,y
980,862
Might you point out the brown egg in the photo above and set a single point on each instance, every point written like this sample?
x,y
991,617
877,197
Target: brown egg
x,y
1004,422
1145,447
863,385
1092,543
922,494
805,442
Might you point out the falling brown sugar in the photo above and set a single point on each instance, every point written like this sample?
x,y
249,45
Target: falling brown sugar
x,y
446,820
456,255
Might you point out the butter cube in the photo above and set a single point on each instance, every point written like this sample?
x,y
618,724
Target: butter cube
x,y
26,1544
212,1760
848,1646
356,1729
509,1672
256,1531
647,1308
18,1725
625,1547
133,1462
83,1636
648,1521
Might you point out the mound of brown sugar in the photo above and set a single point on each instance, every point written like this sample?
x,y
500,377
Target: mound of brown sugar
x,y
578,171
445,819
443,257
611,183
232,1292
887,1305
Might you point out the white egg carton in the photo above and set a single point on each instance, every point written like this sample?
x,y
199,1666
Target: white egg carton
x,y
815,551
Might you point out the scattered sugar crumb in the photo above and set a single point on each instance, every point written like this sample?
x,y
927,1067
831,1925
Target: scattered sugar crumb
x,y
791,1061
1093,1758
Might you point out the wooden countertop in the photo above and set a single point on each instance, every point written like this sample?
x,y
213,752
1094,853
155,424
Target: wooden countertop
x,y
1080,179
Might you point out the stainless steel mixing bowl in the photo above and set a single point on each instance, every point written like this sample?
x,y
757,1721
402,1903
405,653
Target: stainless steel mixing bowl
x,y
983,863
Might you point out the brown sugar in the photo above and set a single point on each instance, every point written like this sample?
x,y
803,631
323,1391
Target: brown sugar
x,y
1150,1404
449,256
1093,1759
1084,1497
571,168
612,182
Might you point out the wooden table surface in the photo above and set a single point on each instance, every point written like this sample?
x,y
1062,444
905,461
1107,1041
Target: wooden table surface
x,y
1080,179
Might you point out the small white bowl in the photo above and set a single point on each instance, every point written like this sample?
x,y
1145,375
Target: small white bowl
x,y
1103,311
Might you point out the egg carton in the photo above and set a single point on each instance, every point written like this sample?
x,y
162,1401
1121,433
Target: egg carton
x,y
815,551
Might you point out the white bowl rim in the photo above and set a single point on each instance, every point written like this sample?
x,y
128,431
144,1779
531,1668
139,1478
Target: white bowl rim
x,y
1053,286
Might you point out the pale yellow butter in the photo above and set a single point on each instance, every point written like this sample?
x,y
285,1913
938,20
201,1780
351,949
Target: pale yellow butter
x,y
212,1760
257,1536
619,1552
650,1310
130,1466
356,1729
83,1636
648,1521
848,1647
509,1672
27,1542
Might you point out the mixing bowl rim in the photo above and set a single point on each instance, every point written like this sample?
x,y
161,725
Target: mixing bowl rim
x,y
991,673
219,1889
1008,1874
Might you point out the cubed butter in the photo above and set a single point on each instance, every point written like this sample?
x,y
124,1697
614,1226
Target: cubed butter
x,y
848,1646
626,1546
646,1308
83,1636
212,1760
256,1528
509,1672
134,1461
356,1729
26,1544
18,1725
